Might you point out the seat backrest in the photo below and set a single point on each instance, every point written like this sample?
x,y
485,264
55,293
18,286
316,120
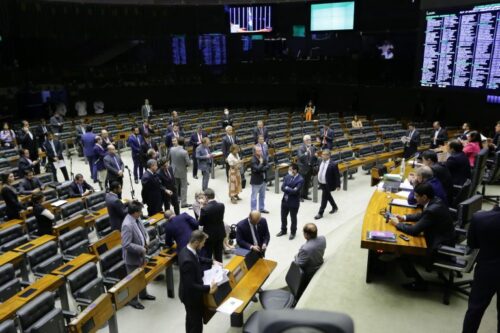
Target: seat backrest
x,y
72,237
102,223
46,178
462,194
63,190
72,208
49,195
272,321
494,174
96,198
36,309
110,258
7,273
11,233
8,326
32,224
478,170
82,276
295,279
42,253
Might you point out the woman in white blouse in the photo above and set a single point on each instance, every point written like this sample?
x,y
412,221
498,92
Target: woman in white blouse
x,y
235,163
356,122
44,217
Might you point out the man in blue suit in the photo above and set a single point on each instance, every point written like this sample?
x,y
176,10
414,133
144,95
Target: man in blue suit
x,y
292,185
326,136
135,141
152,188
88,142
179,228
195,141
176,133
99,154
252,233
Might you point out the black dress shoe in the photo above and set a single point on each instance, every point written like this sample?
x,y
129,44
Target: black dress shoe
x,y
264,211
415,286
148,297
281,233
186,206
292,236
136,181
195,177
307,198
334,210
317,217
136,305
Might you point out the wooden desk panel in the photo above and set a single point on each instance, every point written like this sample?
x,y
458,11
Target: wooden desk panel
x,y
74,264
11,223
153,220
99,311
153,269
109,241
46,283
65,226
128,288
11,257
37,242
90,218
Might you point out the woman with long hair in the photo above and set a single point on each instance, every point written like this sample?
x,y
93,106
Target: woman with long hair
x,y
9,195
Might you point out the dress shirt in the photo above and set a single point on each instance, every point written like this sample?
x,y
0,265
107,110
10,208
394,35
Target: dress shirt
x,y
322,172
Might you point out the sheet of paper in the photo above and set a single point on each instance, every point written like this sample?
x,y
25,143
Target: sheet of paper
x,y
406,185
58,203
401,202
403,194
217,274
229,306
59,164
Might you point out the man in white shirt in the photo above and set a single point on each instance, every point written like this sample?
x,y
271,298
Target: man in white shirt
x,y
329,180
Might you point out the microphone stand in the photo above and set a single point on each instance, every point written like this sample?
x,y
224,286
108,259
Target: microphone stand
x,y
69,156
132,191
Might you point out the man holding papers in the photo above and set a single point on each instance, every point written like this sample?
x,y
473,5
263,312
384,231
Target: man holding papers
x,y
191,287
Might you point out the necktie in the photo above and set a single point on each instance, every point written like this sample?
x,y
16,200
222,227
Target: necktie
x,y
44,129
143,237
231,139
138,140
256,233
53,147
168,174
117,164
80,188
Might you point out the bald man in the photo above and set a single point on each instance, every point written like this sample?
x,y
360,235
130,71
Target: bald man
x,y
252,233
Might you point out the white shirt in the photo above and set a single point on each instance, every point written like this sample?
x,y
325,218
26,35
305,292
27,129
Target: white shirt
x,y
192,250
436,135
322,171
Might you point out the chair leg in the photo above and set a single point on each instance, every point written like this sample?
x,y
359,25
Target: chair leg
x,y
447,289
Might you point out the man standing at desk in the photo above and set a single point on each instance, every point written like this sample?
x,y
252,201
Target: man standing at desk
x,y
212,221
55,156
116,209
79,187
134,247
152,190
114,164
292,184
252,233
191,287
434,221
179,228
307,161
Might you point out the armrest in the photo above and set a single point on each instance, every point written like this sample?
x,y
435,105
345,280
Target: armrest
x,y
69,315
83,301
24,284
110,282
461,232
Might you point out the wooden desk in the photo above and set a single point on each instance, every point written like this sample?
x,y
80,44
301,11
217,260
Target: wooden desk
x,y
11,223
46,283
159,263
128,288
91,218
74,264
17,260
216,155
374,221
65,226
95,316
104,244
35,243
153,220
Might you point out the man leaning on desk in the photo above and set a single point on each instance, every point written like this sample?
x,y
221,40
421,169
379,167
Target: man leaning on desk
x,y
79,187
437,225
191,287
252,233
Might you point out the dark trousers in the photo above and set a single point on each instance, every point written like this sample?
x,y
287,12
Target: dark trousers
x,y
63,170
485,285
154,208
171,200
227,170
214,248
307,183
93,171
195,163
36,167
326,197
143,292
284,217
194,318
138,170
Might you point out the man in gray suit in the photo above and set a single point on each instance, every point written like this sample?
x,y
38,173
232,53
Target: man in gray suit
x,y
179,160
114,164
204,157
135,241
146,109
310,256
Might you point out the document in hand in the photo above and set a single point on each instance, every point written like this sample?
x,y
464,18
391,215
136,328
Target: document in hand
x,y
217,274
230,305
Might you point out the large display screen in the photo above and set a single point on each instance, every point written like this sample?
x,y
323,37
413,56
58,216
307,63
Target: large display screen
x,y
249,19
462,48
332,16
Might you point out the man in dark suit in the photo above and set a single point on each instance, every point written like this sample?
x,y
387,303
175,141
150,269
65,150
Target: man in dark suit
x,y
430,159
146,129
146,146
42,130
326,136
79,187
195,141
227,120
411,141
117,210
30,184
252,233
259,167
425,174
434,221
176,133
291,187
114,165
329,180
467,130
457,163
260,130
212,221
439,136
135,240
191,287
100,153
29,141
135,141
483,234
25,163
166,176
54,155
88,142
495,142
179,228
227,141
307,161
152,189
